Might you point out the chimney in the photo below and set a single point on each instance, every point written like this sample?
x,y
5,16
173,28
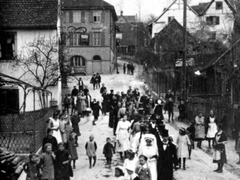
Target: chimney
x,y
121,13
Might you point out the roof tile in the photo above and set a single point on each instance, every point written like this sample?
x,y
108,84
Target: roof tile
x,y
28,14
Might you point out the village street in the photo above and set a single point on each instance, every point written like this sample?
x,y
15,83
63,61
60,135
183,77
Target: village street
x,y
200,167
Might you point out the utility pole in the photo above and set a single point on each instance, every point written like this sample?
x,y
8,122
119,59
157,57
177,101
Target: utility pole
x,y
184,49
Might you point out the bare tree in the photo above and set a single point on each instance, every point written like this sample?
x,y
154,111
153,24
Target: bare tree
x,y
40,64
120,5
139,4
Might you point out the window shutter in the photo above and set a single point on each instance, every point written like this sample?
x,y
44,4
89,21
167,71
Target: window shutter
x,y
63,17
90,17
103,16
217,20
102,38
67,17
90,39
70,17
83,16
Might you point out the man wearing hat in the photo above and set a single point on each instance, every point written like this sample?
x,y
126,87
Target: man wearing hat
x,y
167,158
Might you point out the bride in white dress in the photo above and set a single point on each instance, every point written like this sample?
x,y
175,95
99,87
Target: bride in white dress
x,y
150,150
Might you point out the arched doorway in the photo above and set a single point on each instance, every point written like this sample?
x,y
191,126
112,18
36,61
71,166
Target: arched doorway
x,y
97,64
77,64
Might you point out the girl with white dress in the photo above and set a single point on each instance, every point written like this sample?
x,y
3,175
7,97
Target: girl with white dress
x,y
54,124
211,128
182,147
122,136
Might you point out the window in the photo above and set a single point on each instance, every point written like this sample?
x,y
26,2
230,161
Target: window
x,y
219,5
9,101
213,20
212,35
77,39
76,16
170,18
97,16
84,39
77,61
96,39
7,46
96,57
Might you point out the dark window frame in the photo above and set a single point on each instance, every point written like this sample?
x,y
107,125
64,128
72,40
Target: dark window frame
x,y
7,49
77,61
219,5
80,41
97,58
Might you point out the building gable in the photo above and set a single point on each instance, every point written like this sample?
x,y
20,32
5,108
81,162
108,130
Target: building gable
x,y
169,8
231,7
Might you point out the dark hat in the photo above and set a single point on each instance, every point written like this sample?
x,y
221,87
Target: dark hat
x,y
153,117
55,113
182,131
165,133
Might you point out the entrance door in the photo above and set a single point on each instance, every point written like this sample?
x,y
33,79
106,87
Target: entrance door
x,y
97,64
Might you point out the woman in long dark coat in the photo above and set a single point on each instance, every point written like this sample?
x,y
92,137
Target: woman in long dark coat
x,y
219,154
62,163
167,158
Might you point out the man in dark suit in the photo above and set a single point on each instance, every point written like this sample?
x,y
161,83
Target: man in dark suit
x,y
167,158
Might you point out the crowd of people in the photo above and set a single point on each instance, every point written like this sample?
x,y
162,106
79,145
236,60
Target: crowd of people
x,y
143,142
140,137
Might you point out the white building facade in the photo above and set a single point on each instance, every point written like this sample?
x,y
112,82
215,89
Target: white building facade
x,y
15,35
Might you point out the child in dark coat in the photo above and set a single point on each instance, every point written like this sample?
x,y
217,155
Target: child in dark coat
x,y
108,151
32,168
182,109
96,108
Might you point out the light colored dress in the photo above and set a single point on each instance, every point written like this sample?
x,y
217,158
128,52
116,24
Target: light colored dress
x,y
83,103
56,132
149,152
62,124
182,143
91,148
212,128
130,163
199,128
122,135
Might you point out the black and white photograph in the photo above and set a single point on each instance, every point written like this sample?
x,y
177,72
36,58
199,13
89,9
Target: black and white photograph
x,y
119,89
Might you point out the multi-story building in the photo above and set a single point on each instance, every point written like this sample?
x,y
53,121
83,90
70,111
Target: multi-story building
x,y
130,37
216,19
23,22
90,38
174,11
211,20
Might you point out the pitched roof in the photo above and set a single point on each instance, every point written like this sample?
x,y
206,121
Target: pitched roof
x,y
28,14
89,5
167,9
172,27
129,19
230,5
200,7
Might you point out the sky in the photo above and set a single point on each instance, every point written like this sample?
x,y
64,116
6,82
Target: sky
x,y
153,7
